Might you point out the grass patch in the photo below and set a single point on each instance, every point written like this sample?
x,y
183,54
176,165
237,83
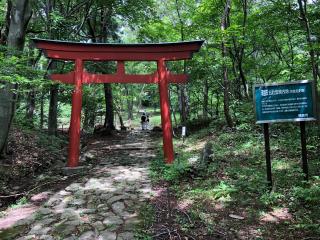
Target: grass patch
x,y
234,182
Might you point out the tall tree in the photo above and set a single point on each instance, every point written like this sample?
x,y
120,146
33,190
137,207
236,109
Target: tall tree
x,y
226,83
183,94
303,8
20,14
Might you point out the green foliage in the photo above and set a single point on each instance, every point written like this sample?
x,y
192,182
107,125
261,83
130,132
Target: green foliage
x,y
272,198
52,143
177,170
221,192
235,179
22,201
146,215
309,195
15,68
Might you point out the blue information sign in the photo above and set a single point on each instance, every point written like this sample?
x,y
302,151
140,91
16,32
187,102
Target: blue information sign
x,y
285,102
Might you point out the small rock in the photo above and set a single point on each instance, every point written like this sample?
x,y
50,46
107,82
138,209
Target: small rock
x,y
73,187
46,222
107,235
77,202
46,237
86,211
131,223
53,201
118,208
71,238
65,229
74,170
39,230
106,197
117,198
112,220
236,216
126,236
87,236
40,197
69,214
89,156
99,225
64,193
44,211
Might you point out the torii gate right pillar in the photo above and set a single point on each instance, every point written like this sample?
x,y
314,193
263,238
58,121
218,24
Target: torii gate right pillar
x,y
165,112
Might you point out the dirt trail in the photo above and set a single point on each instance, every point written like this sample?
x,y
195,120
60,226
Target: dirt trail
x,y
101,205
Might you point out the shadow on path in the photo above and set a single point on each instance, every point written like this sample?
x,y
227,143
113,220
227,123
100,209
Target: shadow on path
x,y
102,205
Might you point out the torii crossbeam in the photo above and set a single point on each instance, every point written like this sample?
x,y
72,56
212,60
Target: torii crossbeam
x,y
81,52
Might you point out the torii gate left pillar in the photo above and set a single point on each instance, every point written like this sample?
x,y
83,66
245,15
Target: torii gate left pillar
x,y
80,52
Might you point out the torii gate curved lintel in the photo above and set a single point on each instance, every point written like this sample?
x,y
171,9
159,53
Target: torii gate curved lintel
x,y
80,52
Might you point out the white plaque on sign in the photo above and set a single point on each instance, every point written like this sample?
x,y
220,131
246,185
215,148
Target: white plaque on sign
x,y
184,130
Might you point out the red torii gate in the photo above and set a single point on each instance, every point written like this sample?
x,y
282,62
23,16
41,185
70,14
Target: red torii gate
x,y
80,52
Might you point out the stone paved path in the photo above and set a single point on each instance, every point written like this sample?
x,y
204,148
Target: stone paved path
x,y
104,204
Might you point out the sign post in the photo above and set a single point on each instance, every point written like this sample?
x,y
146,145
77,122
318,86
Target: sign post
x,y
184,133
304,157
285,102
268,155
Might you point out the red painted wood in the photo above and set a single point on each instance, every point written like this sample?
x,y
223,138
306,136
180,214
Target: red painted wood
x,y
165,113
67,78
117,56
89,78
119,78
64,46
75,122
121,52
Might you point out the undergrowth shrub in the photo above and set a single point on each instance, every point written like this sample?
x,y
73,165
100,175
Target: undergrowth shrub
x,y
309,195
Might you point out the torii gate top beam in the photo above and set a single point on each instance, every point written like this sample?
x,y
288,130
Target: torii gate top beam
x,y
118,52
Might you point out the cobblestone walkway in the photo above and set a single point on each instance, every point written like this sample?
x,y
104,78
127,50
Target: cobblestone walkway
x,y
104,204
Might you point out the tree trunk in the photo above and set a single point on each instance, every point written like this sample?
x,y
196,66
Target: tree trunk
x,y
205,99
122,127
182,105
129,102
4,34
7,98
109,120
41,110
312,53
226,99
183,93
237,85
53,110
241,53
90,108
31,101
20,14
217,104
305,21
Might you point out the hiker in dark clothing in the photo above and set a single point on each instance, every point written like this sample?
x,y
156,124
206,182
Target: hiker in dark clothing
x,y
143,121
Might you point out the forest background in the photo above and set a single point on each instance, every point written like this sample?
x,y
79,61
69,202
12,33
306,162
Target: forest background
x,y
247,42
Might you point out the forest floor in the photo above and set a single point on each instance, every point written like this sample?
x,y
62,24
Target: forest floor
x,y
125,191
99,200
226,196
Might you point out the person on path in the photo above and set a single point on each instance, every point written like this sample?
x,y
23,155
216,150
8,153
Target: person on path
x,y
147,122
143,121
